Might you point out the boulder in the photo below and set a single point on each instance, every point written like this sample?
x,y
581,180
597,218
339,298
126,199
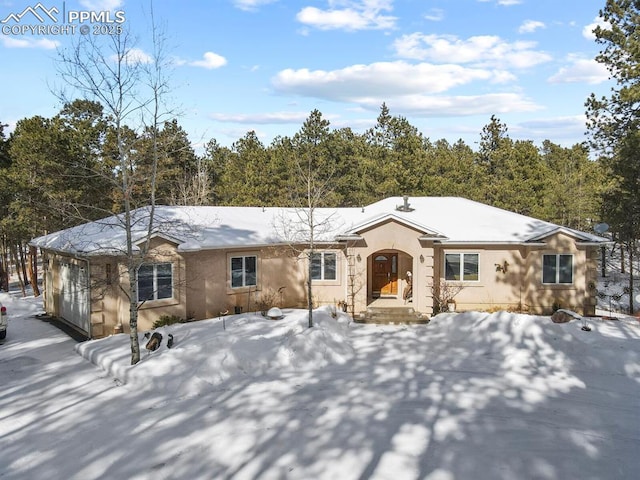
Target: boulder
x,y
564,316
274,313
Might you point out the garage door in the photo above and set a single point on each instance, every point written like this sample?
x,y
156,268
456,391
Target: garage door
x,y
74,298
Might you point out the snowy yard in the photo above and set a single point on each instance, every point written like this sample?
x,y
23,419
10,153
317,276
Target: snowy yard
x,y
469,396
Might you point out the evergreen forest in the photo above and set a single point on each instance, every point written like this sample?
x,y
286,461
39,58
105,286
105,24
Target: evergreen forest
x,y
62,171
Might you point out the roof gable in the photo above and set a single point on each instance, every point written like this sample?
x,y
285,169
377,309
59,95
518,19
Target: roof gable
x,y
575,234
378,220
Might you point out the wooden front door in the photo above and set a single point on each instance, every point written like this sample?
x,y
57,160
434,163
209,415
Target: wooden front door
x,y
385,274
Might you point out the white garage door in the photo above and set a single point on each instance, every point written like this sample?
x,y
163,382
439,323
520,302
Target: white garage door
x,y
74,298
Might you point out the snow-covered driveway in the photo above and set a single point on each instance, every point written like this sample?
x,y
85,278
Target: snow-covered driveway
x,y
470,396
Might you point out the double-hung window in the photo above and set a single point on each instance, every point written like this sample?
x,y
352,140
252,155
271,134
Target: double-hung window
x,y
323,266
155,281
461,266
557,268
244,271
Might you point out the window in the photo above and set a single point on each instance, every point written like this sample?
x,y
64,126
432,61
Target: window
x,y
323,266
557,268
155,281
243,271
461,266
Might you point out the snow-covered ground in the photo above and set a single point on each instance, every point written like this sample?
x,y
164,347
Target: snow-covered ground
x,y
468,396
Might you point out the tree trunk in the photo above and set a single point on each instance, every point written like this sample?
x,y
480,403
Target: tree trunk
x,y
33,271
631,251
310,292
17,265
3,274
23,263
4,266
133,314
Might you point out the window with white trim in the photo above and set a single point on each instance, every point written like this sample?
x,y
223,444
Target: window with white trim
x,y
244,271
155,281
557,269
461,266
324,266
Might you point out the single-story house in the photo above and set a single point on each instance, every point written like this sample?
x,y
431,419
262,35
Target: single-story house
x,y
206,260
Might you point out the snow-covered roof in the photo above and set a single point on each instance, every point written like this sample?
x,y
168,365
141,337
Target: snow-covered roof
x,y
446,219
460,220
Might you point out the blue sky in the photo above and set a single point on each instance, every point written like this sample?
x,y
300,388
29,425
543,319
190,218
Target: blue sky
x,y
263,65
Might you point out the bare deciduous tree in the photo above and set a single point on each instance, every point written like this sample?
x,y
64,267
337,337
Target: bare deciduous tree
x,y
194,188
307,224
132,86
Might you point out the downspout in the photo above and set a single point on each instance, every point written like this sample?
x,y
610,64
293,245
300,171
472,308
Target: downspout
x,y
346,273
88,286
90,298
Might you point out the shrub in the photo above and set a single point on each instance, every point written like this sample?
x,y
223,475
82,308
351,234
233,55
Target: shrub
x,y
267,299
165,320
444,293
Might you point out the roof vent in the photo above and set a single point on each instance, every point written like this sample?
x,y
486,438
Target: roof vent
x,y
406,207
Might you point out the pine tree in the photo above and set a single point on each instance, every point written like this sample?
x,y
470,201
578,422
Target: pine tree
x,y
614,121
573,186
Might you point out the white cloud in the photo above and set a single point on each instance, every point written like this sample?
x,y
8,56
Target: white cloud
x,y
484,50
135,55
411,88
414,105
100,5
261,118
555,123
210,61
504,3
251,5
530,26
565,130
435,15
451,106
349,15
378,79
177,61
28,42
587,31
581,70
503,76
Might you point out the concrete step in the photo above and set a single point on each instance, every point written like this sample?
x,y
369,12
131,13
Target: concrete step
x,y
391,315
390,311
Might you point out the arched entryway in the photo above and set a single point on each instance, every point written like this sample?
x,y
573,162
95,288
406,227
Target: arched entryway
x,y
388,275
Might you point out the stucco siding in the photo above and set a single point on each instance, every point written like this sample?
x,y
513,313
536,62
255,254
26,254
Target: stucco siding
x,y
510,276
500,277
543,298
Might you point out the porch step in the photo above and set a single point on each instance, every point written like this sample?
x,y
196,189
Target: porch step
x,y
391,315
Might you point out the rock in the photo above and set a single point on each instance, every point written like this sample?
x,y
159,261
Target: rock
x,y
274,313
564,316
